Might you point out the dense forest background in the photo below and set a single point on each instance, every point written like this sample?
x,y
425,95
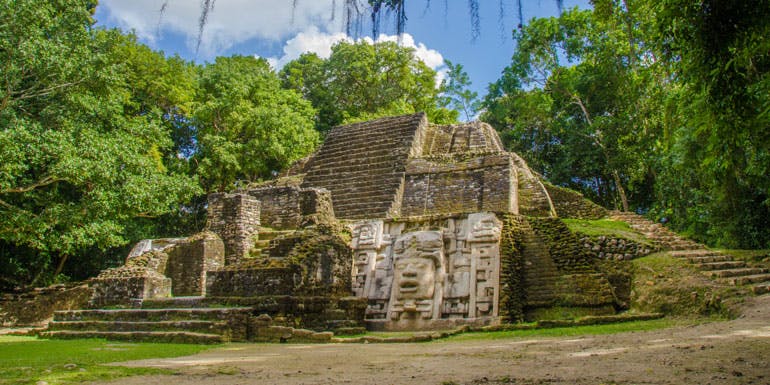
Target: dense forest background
x,y
656,106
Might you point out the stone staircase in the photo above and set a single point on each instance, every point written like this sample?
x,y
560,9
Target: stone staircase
x,y
265,237
541,273
363,165
721,267
173,325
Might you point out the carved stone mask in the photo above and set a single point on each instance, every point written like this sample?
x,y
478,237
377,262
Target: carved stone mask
x,y
417,256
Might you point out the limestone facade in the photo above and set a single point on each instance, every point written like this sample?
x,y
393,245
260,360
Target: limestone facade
x,y
414,278
426,226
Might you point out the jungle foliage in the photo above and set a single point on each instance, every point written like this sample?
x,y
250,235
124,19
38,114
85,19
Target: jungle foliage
x,y
661,107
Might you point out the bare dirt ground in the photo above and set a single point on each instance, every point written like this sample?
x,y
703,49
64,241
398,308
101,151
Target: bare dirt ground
x,y
734,352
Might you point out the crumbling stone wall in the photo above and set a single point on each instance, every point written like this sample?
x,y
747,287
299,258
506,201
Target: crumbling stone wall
x,y
544,269
280,206
236,219
311,261
243,281
179,269
291,207
442,185
121,286
572,204
189,261
36,307
614,248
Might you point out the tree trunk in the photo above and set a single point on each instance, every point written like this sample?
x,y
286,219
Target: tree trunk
x,y
60,266
621,191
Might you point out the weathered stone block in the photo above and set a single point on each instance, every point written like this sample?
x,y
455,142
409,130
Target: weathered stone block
x,y
121,286
236,219
189,260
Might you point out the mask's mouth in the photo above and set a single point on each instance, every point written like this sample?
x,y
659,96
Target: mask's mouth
x,y
409,286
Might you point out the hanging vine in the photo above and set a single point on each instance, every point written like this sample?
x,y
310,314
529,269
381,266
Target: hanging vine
x,y
355,10
207,6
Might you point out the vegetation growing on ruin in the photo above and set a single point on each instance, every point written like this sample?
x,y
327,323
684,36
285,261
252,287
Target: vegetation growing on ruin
x,y
605,227
671,286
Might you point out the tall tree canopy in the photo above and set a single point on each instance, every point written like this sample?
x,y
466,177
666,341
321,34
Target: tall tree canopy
x,y
248,127
715,179
80,158
665,101
361,81
579,103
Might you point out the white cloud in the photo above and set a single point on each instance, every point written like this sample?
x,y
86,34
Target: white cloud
x,y
430,57
230,23
238,21
311,40
320,43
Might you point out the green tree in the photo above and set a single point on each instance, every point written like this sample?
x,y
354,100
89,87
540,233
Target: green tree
x,y
248,127
578,102
362,81
717,173
78,160
456,91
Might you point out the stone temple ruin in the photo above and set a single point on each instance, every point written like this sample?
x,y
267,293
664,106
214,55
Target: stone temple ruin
x,y
392,224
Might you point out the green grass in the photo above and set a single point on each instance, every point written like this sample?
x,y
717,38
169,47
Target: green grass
x,y
27,360
575,330
607,227
672,286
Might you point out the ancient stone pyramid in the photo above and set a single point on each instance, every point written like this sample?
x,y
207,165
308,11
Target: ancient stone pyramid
x,y
403,166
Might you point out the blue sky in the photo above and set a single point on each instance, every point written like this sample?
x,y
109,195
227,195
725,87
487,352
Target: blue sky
x,y
270,29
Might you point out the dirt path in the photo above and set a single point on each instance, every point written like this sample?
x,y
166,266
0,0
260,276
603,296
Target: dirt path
x,y
735,352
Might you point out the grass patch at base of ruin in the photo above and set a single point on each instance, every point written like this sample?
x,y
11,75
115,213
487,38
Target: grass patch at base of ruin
x,y
672,286
605,227
620,327
27,360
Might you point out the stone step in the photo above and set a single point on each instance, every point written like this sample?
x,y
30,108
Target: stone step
x,y
348,164
709,259
724,265
268,235
143,336
762,288
694,253
362,152
173,302
352,182
177,302
735,272
206,327
367,130
666,238
261,243
364,188
360,147
150,314
364,198
747,279
682,246
382,200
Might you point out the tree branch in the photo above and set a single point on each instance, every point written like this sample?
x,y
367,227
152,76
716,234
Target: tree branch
x,y
48,180
25,95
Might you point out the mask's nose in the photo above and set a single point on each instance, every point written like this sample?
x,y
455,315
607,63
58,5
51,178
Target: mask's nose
x,y
410,271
